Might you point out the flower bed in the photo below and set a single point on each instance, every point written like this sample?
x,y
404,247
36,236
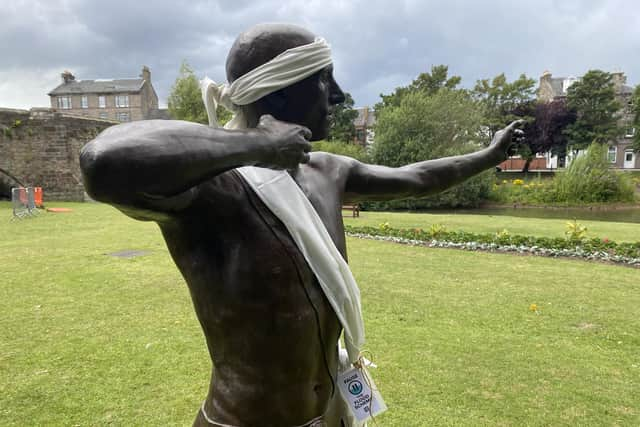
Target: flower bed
x,y
590,249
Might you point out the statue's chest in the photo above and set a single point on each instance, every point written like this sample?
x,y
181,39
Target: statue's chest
x,y
241,251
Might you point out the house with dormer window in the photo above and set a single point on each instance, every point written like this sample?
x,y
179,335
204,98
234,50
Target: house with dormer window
x,y
121,100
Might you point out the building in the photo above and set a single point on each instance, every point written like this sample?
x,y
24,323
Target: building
x,y
621,155
364,123
121,100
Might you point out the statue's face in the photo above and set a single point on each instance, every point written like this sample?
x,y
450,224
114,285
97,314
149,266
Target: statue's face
x,y
309,102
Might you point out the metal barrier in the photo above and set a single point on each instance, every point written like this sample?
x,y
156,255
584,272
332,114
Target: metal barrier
x,y
23,201
31,201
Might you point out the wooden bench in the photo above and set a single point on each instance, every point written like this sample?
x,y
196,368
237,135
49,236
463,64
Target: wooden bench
x,y
355,210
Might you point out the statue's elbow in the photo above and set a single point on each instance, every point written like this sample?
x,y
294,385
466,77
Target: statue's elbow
x,y
95,172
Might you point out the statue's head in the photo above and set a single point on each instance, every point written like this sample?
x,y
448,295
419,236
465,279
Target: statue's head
x,y
306,102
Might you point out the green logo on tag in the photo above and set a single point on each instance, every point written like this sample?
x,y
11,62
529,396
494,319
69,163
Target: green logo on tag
x,y
355,387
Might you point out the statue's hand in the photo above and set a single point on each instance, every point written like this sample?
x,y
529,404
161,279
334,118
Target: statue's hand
x,y
505,138
287,145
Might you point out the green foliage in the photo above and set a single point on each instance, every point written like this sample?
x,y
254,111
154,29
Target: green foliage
x,y
575,231
185,100
533,191
593,99
589,179
8,133
426,83
342,148
423,127
635,100
341,127
500,99
437,230
427,127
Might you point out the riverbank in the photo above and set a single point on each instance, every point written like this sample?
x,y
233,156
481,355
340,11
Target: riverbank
x,y
590,207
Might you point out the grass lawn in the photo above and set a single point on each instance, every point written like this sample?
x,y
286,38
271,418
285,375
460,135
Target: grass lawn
x,y
616,231
89,339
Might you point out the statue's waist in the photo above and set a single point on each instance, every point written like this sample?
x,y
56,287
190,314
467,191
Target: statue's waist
x,y
281,396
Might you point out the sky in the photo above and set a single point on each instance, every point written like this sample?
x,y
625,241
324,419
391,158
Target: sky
x,y
377,45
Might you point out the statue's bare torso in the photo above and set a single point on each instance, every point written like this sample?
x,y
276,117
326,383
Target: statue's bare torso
x,y
270,330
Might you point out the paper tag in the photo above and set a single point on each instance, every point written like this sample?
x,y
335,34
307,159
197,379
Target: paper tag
x,y
363,402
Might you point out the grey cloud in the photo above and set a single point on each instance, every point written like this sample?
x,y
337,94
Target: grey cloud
x,y
377,44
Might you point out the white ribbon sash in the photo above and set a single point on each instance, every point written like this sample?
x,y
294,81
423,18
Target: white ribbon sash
x,y
281,194
283,197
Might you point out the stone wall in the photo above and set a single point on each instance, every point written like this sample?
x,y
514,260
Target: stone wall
x,y
40,147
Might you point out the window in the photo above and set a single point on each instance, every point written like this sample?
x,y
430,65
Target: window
x,y
630,132
64,102
104,115
84,102
628,156
123,117
122,101
102,101
611,154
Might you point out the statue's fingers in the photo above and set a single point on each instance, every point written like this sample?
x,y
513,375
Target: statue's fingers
x,y
305,132
517,123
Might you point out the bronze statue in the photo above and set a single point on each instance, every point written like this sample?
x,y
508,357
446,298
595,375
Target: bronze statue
x,y
272,336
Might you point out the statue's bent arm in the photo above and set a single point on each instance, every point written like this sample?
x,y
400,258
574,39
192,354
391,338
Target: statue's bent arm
x,y
151,168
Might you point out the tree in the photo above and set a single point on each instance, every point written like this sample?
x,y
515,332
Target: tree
x,y
426,83
594,100
426,127
341,126
500,99
635,101
185,100
545,131
422,127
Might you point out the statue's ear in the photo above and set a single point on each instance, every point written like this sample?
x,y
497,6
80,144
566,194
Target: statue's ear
x,y
276,101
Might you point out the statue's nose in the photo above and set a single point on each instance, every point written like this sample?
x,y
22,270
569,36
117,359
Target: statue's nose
x,y
336,96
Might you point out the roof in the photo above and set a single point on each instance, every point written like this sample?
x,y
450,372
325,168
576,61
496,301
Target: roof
x,y
98,86
365,113
624,89
556,86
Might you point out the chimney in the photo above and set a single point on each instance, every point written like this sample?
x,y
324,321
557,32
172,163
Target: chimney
x,y
146,74
545,89
619,79
67,76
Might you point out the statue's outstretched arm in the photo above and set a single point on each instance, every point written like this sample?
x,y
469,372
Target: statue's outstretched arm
x,y
374,182
155,165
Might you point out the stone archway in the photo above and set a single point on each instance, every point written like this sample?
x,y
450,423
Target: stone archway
x,y
7,180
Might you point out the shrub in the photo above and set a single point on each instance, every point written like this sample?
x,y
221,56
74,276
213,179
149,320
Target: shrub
x,y
589,179
575,231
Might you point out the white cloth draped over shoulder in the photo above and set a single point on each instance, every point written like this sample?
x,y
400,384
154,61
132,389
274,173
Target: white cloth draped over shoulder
x,y
281,194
